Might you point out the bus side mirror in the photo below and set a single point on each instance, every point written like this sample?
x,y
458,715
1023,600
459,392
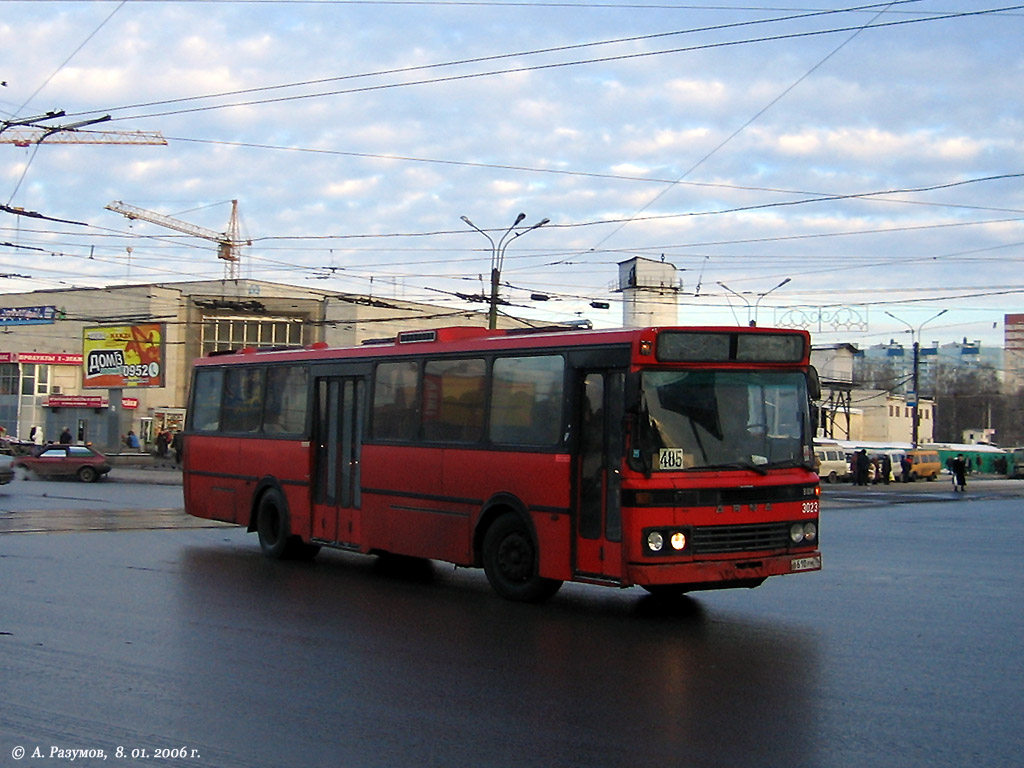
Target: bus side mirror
x,y
813,383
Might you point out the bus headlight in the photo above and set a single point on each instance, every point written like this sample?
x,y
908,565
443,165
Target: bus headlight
x,y
803,532
810,531
655,541
666,541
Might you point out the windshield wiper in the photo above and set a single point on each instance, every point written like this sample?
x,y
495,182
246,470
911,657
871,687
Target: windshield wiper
x,y
761,469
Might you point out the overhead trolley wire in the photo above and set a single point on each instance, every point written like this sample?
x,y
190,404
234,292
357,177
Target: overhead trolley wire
x,y
537,67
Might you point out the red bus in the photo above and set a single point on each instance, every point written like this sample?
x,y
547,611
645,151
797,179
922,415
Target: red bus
x,y
676,459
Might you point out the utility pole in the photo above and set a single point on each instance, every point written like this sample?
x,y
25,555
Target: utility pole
x,y
498,259
915,413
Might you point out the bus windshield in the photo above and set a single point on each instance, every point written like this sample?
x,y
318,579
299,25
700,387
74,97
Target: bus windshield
x,y
705,419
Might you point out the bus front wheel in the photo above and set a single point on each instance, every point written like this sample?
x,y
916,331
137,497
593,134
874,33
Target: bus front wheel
x,y
510,562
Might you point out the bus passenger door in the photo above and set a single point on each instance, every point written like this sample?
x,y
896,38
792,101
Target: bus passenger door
x,y
338,432
598,475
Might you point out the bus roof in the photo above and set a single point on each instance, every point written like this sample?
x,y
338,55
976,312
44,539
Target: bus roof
x,y
472,338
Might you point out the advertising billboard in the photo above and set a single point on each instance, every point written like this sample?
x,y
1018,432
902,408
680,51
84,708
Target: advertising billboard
x,y
123,356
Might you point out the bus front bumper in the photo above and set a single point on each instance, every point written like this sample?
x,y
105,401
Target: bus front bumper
x,y
746,569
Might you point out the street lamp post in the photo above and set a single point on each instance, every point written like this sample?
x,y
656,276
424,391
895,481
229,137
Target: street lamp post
x,y
741,297
498,258
752,308
915,413
761,296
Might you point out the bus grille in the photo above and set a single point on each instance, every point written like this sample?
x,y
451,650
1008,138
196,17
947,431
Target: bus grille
x,y
720,539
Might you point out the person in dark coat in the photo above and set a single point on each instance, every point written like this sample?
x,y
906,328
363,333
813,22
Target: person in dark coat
x,y
178,443
959,467
863,463
65,437
905,466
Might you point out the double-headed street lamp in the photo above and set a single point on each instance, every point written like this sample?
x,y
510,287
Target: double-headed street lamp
x,y
752,308
498,258
915,338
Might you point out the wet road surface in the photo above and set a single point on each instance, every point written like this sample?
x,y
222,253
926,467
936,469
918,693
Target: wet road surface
x,y
905,651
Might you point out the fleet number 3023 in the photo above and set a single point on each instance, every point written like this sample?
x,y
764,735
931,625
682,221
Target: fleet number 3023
x,y
809,507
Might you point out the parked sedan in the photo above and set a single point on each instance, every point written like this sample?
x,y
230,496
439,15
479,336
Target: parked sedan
x,y
79,461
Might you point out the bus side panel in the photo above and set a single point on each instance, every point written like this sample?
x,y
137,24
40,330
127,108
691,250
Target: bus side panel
x,y
425,502
287,464
540,481
211,486
403,509
219,485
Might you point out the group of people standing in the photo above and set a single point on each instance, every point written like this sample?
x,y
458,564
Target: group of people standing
x,y
35,436
878,469
872,469
166,439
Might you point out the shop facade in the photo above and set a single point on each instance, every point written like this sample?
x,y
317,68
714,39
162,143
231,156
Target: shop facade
x,y
104,362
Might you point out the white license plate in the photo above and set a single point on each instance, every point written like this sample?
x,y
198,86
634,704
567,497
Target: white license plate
x,y
805,564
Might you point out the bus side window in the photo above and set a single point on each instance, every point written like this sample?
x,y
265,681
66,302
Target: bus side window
x,y
453,400
526,400
243,399
205,411
395,412
284,409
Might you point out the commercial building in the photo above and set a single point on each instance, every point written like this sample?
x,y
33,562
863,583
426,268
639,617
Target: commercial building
x,y
103,361
1013,345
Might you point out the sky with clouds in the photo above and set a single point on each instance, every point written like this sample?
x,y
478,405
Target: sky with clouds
x,y
871,154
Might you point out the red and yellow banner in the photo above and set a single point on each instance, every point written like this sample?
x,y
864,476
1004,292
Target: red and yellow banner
x,y
123,356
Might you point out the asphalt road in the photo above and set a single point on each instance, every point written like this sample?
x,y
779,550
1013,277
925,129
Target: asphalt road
x,y
904,651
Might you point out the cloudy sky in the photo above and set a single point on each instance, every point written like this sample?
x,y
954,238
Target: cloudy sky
x,y
873,155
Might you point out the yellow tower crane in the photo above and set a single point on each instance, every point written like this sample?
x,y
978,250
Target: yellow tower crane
x,y
229,243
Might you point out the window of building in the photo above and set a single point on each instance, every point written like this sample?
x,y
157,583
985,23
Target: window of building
x,y
223,333
8,378
9,418
35,379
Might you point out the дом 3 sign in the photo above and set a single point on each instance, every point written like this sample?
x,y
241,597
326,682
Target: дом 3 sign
x,y
123,356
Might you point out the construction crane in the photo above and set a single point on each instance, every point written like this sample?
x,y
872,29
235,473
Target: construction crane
x,y
26,137
229,243
25,132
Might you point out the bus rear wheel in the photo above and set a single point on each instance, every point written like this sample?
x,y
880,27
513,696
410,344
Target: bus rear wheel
x,y
274,532
510,562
